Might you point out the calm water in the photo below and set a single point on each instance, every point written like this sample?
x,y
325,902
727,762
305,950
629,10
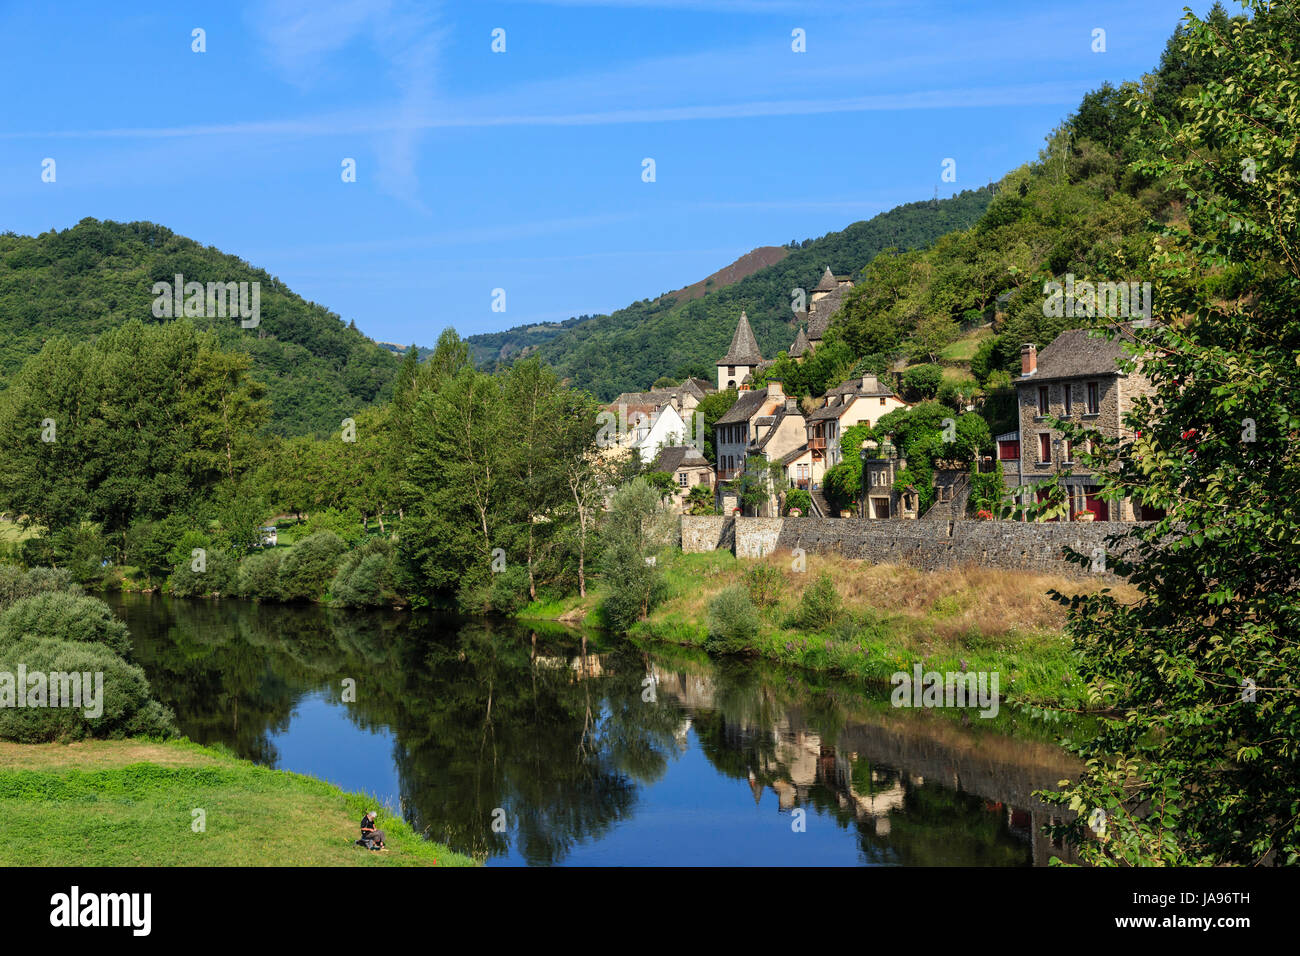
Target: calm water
x,y
520,746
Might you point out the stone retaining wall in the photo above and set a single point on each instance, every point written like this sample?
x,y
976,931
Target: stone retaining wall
x,y
928,545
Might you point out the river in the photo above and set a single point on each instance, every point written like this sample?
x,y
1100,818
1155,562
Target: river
x,y
534,746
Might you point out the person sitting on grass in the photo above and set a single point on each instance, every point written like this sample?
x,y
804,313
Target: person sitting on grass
x,y
369,834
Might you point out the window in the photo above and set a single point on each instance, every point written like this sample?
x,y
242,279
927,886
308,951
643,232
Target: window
x,y
683,479
1069,451
882,400
731,370
1068,393
1094,398
1045,448
1042,399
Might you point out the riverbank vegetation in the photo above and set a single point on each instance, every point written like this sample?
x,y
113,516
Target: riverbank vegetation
x,y
173,803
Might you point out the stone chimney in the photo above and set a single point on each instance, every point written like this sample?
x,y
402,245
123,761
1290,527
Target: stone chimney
x,y
774,391
1028,359
870,383
791,405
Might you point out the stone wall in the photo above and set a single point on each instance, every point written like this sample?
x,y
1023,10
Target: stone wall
x,y
928,545
707,533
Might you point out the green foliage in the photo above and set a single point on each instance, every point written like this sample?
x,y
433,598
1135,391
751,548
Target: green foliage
x,y
218,576
365,576
923,380
606,355
636,530
127,707
765,584
1196,761
17,584
988,490
699,501
82,283
798,498
819,606
258,576
309,566
144,422
733,621
67,617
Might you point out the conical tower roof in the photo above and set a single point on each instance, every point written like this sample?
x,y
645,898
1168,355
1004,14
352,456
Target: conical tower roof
x,y
828,283
799,347
744,347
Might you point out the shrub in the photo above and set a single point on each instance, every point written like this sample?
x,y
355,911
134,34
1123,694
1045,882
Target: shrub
x,y
66,617
733,620
219,575
819,606
344,524
259,576
764,584
16,584
365,576
128,710
798,498
310,566
923,379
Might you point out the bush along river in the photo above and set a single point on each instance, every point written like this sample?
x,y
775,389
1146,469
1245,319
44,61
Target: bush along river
x,y
537,746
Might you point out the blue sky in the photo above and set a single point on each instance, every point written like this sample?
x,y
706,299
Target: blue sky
x,y
522,170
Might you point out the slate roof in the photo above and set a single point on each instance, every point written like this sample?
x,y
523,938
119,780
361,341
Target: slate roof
x,y
672,457
822,311
827,283
744,347
798,453
746,406
799,346
1077,353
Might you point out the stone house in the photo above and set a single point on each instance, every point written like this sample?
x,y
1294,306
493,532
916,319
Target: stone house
x,y
764,423
688,468
825,301
1076,378
885,497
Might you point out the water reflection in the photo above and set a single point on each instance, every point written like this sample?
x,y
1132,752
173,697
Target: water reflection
x,y
542,747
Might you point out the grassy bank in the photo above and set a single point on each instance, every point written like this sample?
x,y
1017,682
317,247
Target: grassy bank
x,y
960,619
131,803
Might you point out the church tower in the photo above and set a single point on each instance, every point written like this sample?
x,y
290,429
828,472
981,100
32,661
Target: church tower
x,y
741,359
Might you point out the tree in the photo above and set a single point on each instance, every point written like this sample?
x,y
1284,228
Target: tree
x,y
637,529
1201,762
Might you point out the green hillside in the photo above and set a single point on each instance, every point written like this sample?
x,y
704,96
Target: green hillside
x,y
631,348
83,281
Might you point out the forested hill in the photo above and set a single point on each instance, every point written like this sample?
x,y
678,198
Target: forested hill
x,y
630,349
85,280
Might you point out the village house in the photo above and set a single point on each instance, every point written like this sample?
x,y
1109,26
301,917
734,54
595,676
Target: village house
x,y
742,359
884,496
685,397
642,427
1076,378
764,423
855,402
825,301
688,468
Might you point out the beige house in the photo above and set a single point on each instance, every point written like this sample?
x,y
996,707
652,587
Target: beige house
x,y
855,402
1076,378
688,468
764,423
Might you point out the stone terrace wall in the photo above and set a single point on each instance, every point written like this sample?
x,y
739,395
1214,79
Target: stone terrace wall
x,y
928,545
708,533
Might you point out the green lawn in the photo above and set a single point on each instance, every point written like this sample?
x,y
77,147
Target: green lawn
x,y
131,803
963,350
